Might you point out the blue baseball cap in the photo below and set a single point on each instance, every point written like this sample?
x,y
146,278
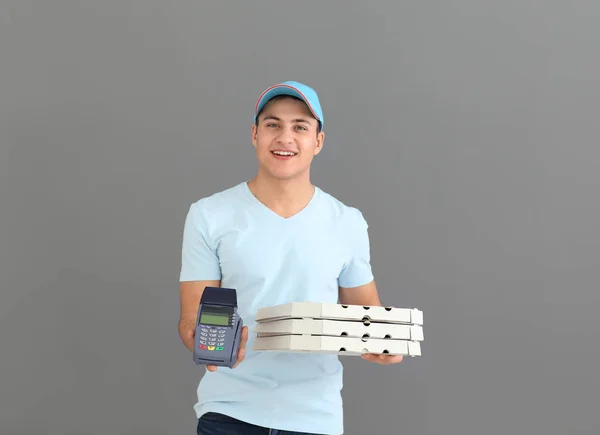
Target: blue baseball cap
x,y
294,89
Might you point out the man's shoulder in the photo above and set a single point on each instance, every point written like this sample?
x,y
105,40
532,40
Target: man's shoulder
x,y
341,211
218,209
218,200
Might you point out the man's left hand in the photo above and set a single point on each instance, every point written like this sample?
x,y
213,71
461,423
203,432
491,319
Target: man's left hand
x,y
382,359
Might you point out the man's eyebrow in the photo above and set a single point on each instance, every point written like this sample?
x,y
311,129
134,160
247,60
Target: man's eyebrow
x,y
275,118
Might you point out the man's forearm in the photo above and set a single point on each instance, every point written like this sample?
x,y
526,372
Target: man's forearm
x,y
366,295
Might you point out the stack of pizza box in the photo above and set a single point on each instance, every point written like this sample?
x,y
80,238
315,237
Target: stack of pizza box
x,y
339,329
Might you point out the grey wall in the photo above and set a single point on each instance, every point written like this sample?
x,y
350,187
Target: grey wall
x,y
466,131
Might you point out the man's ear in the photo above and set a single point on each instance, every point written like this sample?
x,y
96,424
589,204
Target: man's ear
x,y
254,134
320,141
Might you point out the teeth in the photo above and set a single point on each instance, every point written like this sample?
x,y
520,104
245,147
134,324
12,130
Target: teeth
x,y
284,153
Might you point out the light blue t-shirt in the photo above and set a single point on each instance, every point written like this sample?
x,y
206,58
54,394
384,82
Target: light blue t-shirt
x,y
231,236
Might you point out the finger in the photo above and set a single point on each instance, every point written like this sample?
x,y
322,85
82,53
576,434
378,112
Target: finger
x,y
242,349
382,359
211,368
244,338
243,341
370,357
379,359
391,359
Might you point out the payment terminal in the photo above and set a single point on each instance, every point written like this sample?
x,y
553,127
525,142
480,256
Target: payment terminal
x,y
218,328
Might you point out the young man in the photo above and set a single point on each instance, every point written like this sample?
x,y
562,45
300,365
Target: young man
x,y
276,239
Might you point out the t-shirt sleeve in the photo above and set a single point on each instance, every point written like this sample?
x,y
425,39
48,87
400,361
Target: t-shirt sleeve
x,y
357,271
199,260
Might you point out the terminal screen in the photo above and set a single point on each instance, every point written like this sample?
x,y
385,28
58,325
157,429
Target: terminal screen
x,y
217,316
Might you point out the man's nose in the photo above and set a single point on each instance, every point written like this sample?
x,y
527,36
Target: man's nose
x,y
286,136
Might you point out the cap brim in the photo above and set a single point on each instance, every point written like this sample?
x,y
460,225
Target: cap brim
x,y
282,89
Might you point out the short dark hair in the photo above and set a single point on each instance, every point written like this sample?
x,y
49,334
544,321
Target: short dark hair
x,y
283,97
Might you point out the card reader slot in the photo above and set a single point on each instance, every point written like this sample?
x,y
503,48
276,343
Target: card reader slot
x,y
211,360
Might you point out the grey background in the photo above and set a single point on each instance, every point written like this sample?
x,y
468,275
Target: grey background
x,y
466,131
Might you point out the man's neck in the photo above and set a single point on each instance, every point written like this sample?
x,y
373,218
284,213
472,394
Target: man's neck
x,y
284,197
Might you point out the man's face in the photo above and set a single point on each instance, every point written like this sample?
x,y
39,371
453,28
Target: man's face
x,y
286,126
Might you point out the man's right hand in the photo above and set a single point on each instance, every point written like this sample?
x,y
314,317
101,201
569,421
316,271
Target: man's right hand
x,y
189,331
190,296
